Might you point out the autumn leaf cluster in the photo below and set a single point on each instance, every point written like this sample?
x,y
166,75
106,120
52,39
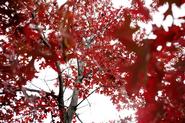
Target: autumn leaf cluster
x,y
113,55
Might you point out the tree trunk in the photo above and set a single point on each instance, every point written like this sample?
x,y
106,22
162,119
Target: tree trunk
x,y
69,114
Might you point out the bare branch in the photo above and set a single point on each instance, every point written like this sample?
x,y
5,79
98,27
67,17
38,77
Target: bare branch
x,y
78,118
39,91
68,98
88,96
92,93
52,119
80,71
61,92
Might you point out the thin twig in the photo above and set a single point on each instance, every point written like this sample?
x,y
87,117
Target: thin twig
x,y
83,106
88,95
78,118
88,102
35,86
39,91
68,98
52,119
46,82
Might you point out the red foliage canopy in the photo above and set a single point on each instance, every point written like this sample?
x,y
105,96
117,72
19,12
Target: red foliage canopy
x,y
111,53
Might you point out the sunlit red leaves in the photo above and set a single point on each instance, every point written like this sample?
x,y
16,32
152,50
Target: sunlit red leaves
x,y
150,75
124,32
53,40
7,115
170,2
42,10
177,2
10,17
175,88
140,11
26,107
138,69
12,68
180,64
118,98
172,102
68,42
143,65
69,17
174,34
174,114
68,45
167,81
152,86
151,113
30,34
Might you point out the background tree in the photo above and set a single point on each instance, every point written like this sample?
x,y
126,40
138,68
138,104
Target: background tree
x,y
104,49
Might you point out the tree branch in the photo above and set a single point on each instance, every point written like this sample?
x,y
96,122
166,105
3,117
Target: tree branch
x,y
80,71
73,104
78,118
61,91
43,37
39,91
88,96
52,119
92,93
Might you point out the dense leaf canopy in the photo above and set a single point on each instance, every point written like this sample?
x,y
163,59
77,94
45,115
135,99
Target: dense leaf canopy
x,y
104,48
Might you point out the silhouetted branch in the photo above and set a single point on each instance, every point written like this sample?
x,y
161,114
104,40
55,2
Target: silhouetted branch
x,y
39,91
78,118
52,119
88,95
61,91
